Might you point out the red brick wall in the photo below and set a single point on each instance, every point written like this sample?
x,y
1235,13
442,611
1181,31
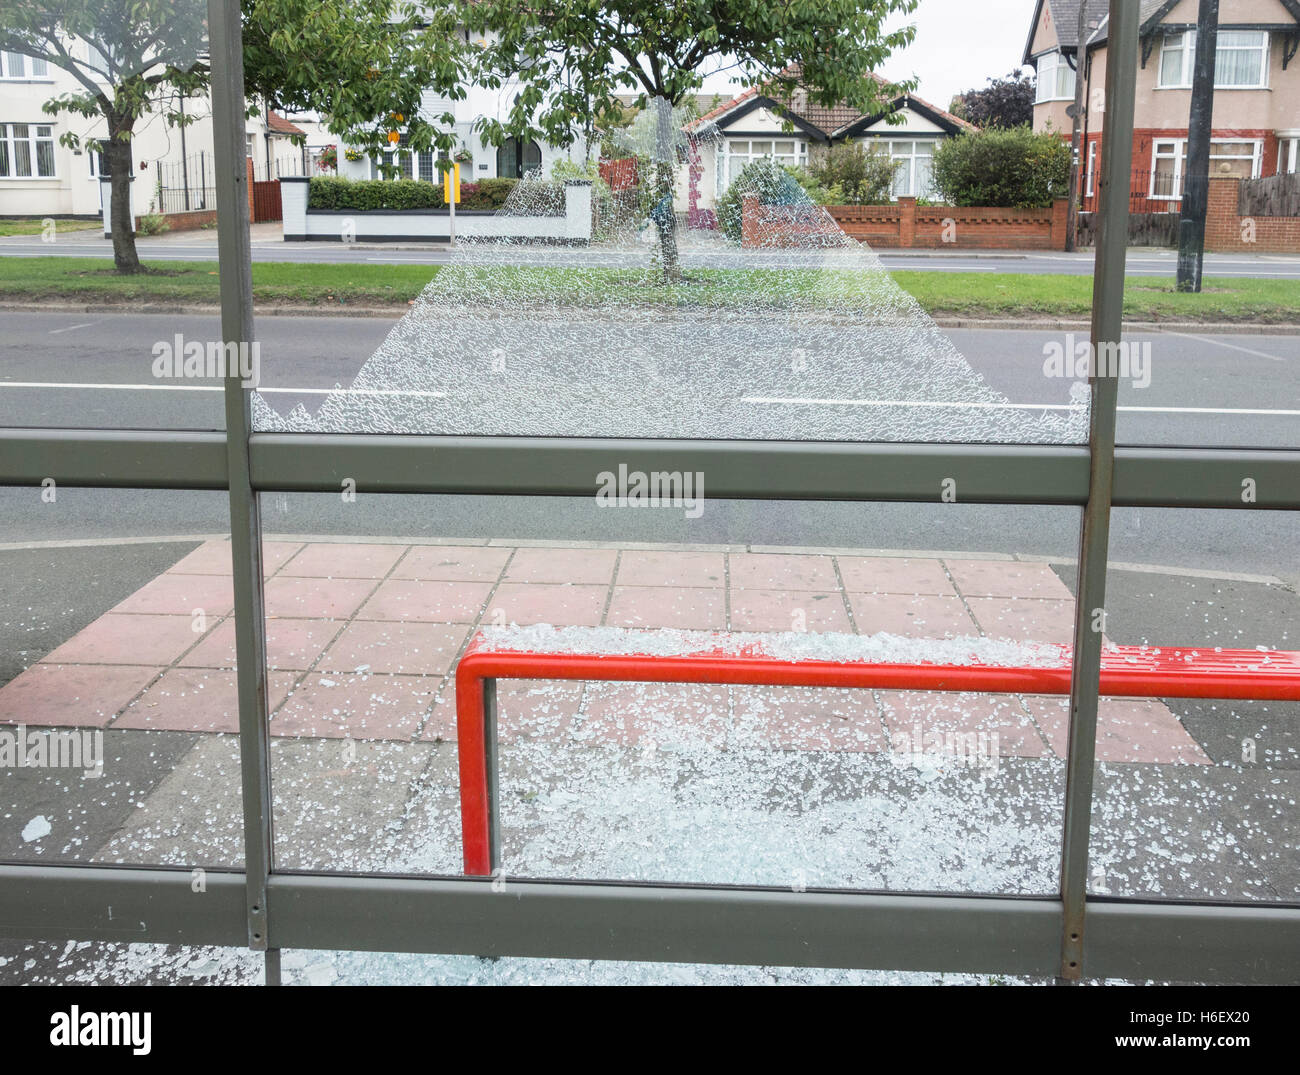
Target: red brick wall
x,y
1226,231
908,225
191,221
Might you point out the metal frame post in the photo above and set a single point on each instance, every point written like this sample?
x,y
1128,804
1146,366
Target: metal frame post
x,y
234,252
1094,536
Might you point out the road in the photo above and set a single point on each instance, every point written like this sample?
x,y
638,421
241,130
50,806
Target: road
x,y
267,246
67,370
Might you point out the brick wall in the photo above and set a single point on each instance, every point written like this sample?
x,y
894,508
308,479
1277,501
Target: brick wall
x,y
1227,231
191,221
907,225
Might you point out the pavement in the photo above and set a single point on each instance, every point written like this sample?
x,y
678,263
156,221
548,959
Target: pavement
x,y
627,781
267,245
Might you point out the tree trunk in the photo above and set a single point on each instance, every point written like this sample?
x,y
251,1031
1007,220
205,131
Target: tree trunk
x,y
664,217
117,155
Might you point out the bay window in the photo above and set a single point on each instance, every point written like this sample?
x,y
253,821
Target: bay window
x,y
1055,79
741,152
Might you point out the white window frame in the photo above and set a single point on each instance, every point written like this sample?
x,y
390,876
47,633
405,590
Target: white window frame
x,y
799,157
1092,167
1186,45
1045,86
33,68
895,148
1180,158
1288,155
11,141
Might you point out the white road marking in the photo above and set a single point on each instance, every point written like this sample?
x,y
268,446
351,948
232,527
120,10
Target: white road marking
x,y
221,388
72,328
925,404
1229,346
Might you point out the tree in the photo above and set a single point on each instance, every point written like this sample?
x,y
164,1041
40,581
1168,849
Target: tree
x,y
1004,102
365,65
571,57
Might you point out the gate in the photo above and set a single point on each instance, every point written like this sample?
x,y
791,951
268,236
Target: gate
x,y
266,200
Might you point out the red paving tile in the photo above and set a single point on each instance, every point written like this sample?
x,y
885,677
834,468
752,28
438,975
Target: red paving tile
x,y
691,608
938,717
343,561
429,602
806,718
357,707
914,616
788,610
74,696
136,639
1024,619
416,621
196,700
637,567
213,558
453,563
410,647
564,606
328,599
894,575
585,566
1128,730
182,595
652,715
290,644
782,571
1007,578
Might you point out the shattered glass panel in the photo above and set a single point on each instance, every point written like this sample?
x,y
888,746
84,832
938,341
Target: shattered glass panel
x,y
649,305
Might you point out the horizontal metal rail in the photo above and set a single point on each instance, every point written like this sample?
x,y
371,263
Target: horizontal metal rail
x,y
1250,478
661,923
1128,671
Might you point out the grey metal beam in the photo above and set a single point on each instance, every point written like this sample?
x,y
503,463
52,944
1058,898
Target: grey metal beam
x,y
772,470
113,459
672,923
61,903
1094,538
234,253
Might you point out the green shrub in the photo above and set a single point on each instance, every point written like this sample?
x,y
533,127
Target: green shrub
x,y
1011,168
362,195
152,224
773,185
861,176
486,194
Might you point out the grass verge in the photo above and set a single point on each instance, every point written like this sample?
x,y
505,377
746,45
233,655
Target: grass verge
x,y
987,295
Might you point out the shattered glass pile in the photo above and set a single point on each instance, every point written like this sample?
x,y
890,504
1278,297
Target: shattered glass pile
x,y
662,326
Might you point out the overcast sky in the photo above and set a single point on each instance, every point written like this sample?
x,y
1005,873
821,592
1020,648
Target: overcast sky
x,y
959,44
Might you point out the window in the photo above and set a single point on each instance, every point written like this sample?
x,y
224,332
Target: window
x,y
1055,78
16,65
782,150
1240,60
1227,157
1092,166
26,151
1288,155
915,162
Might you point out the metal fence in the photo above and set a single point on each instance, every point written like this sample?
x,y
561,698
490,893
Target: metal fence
x,y
1069,935
187,183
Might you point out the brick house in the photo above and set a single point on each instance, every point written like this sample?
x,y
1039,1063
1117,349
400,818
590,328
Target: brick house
x,y
1256,125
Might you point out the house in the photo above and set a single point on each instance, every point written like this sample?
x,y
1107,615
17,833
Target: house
x,y
172,166
754,125
1256,119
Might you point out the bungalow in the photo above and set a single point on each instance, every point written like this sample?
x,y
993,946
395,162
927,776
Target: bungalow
x,y
1256,128
754,125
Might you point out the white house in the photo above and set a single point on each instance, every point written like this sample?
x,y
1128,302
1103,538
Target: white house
x,y
754,125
